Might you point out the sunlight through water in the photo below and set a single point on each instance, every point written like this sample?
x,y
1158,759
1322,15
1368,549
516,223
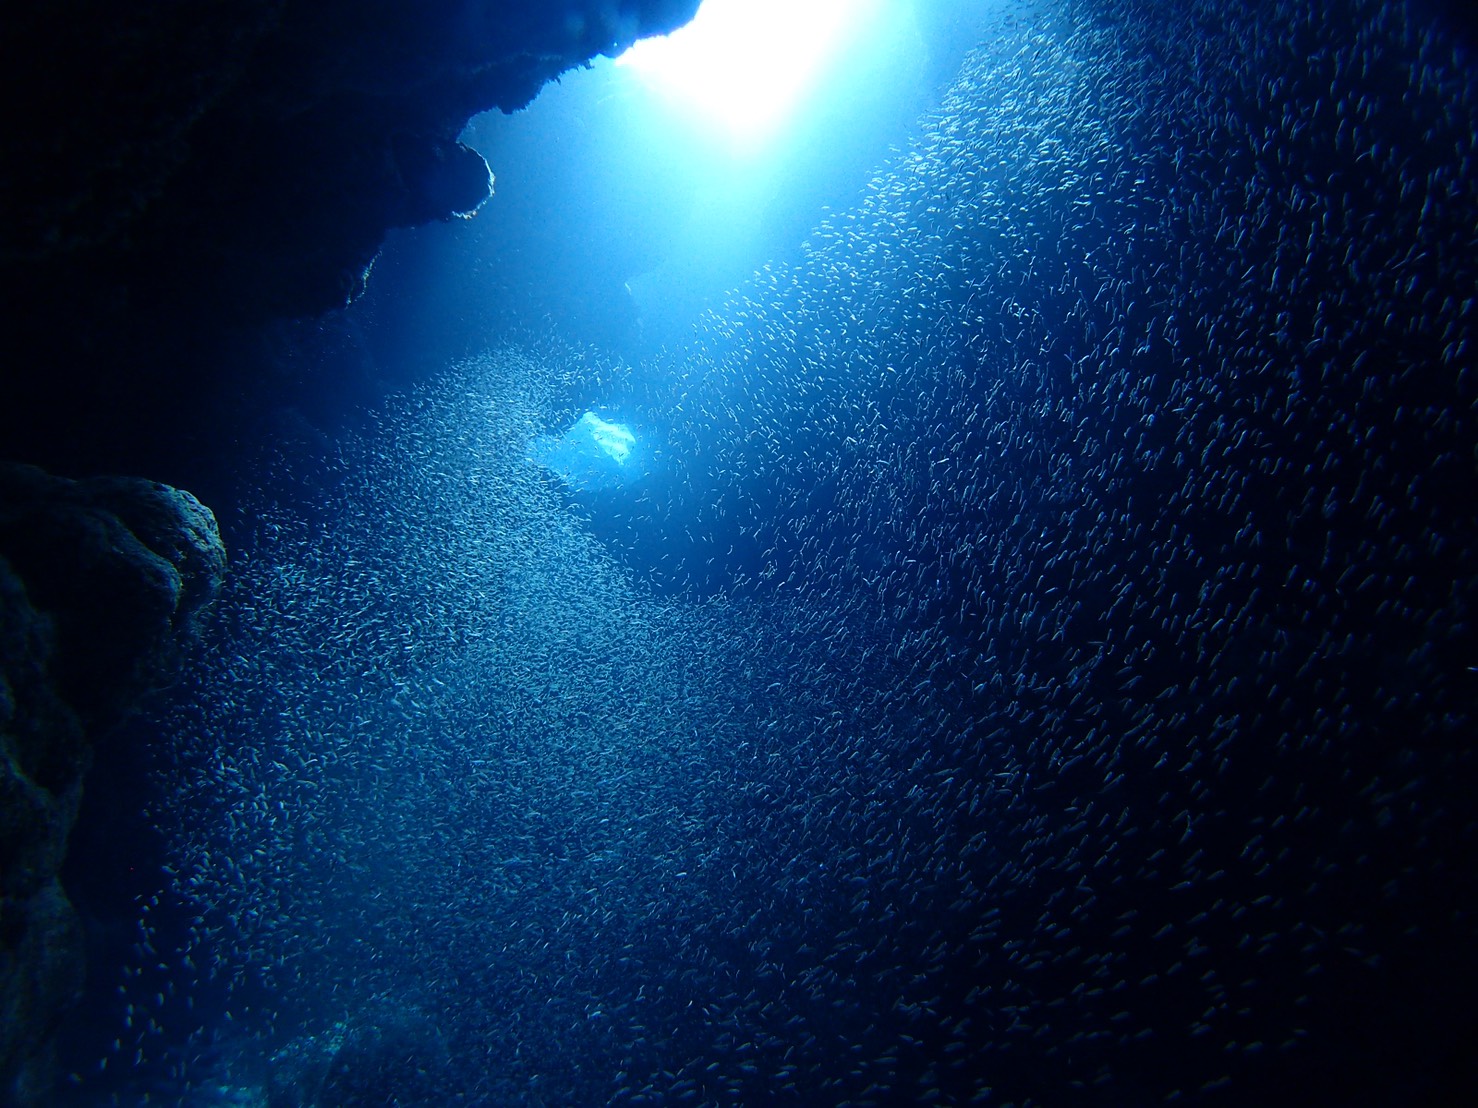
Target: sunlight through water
x,y
744,65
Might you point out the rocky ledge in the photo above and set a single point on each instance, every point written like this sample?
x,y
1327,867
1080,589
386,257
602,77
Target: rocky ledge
x,y
172,171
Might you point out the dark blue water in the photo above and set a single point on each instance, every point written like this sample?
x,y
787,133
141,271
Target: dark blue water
x,y
1036,665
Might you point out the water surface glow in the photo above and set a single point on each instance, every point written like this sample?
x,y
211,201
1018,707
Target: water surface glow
x,y
745,64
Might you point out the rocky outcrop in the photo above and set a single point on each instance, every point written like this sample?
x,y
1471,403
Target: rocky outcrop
x,y
174,170
102,583
268,146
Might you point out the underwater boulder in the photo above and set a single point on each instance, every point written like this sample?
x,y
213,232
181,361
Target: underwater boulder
x,y
102,583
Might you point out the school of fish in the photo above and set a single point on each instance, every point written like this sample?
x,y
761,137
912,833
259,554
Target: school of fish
x,y
1039,669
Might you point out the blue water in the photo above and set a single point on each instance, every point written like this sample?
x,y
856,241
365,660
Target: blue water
x,y
1038,668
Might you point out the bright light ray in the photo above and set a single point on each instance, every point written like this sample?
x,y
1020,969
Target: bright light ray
x,y
743,64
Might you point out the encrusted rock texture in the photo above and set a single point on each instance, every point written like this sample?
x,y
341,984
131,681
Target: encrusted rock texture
x,y
103,583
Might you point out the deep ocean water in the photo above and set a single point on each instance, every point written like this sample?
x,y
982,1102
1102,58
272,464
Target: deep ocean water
x,y
1037,667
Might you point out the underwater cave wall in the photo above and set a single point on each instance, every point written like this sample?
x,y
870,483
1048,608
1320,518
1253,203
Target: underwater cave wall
x,y
172,171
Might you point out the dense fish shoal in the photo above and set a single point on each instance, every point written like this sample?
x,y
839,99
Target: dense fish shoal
x,y
1039,671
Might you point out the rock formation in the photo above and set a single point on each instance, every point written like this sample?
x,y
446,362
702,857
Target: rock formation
x,y
102,582
172,171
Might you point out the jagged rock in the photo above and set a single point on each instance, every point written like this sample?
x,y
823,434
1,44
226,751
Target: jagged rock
x,y
165,126
182,170
102,583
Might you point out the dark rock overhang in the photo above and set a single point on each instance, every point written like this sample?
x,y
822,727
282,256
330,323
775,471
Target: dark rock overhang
x,y
227,164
